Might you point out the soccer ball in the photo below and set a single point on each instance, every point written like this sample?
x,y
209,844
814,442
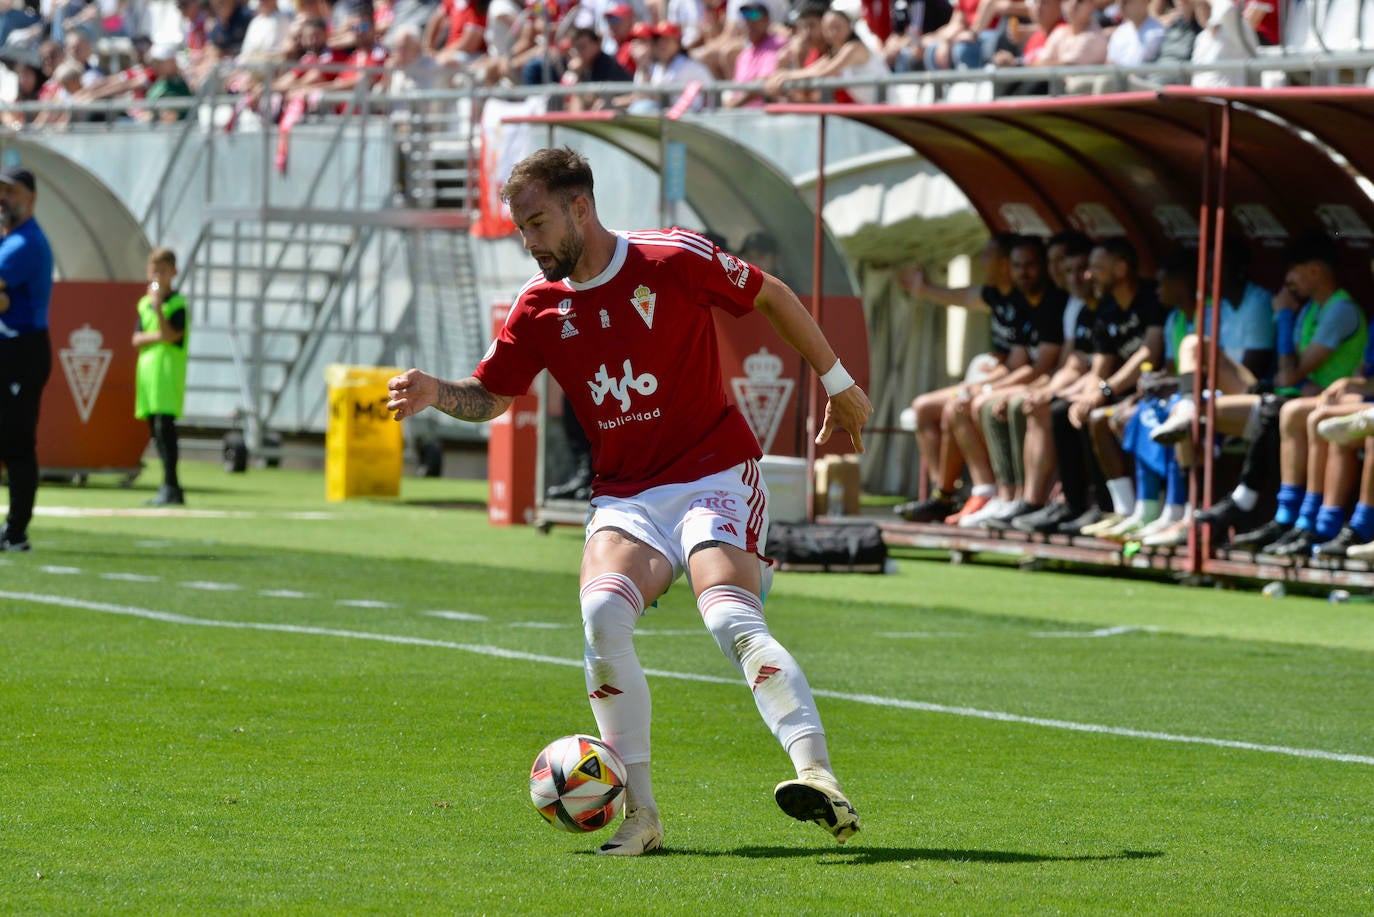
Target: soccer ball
x,y
578,783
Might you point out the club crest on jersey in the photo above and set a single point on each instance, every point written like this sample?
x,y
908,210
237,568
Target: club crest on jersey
x,y
643,300
605,319
735,269
564,306
568,329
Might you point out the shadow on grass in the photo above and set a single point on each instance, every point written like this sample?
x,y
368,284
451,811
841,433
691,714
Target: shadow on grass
x,y
864,855
445,504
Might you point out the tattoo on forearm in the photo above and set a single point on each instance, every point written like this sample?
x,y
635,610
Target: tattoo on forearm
x,y
466,401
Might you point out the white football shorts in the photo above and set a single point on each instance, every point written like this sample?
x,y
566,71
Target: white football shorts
x,y
730,507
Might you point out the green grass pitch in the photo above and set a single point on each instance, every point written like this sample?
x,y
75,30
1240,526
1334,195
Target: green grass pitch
x,y
273,704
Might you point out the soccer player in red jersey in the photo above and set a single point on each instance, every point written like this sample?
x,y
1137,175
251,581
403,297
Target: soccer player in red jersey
x,y
623,322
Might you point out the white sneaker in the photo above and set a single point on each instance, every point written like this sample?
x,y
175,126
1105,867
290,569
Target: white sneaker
x,y
1348,428
817,797
1106,522
1174,536
976,520
640,832
1177,426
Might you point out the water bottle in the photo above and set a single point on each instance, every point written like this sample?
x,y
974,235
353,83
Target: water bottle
x,y
834,499
1274,590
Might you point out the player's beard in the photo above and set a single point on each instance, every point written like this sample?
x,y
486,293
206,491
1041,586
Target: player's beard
x,y
9,216
565,259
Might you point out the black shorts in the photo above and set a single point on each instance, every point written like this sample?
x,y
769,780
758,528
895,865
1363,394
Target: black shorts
x,y
25,364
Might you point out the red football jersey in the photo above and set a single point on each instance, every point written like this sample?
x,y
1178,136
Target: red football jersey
x,y
635,351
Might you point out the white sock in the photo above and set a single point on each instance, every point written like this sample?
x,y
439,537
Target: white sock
x,y
1122,491
1244,497
734,616
619,692
984,490
1173,512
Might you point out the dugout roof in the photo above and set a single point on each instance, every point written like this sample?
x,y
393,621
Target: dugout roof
x,y
1133,163
93,235
733,189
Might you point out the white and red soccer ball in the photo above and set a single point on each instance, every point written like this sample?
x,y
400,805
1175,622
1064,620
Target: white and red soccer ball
x,y
578,783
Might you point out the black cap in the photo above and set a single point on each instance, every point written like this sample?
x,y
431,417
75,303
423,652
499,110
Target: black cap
x,y
18,176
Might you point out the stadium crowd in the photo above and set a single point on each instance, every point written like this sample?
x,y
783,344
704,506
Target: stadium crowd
x,y
72,51
1088,390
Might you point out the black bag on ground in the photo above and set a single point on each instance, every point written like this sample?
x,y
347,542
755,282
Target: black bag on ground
x,y
831,548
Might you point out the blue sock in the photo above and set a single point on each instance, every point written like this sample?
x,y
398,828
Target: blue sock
x,y
1307,514
1329,522
1290,498
1176,483
1362,521
1147,483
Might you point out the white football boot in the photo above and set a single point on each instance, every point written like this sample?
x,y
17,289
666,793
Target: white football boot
x,y
640,832
815,796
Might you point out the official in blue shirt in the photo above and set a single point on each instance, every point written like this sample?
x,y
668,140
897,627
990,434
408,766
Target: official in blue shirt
x,y
26,267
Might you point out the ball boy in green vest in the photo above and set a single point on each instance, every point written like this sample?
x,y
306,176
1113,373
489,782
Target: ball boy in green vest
x,y
160,387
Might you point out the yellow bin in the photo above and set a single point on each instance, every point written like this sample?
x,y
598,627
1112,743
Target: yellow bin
x,y
363,447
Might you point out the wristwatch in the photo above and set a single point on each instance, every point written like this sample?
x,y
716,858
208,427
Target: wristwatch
x,y
1104,388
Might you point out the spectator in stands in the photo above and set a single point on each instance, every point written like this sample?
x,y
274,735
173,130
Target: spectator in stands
x,y
1180,31
847,56
411,68
1322,335
588,62
195,27
722,38
1225,36
17,16
687,15
265,35
456,33
911,20
51,54
1081,41
228,28
79,53
805,44
1036,351
620,20
133,80
313,35
366,58
1047,16
1137,39
671,66
759,58
67,82
74,16
169,84
934,440
28,82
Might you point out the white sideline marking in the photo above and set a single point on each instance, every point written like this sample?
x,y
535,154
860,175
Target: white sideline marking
x,y
61,571
132,577
207,586
538,625
870,699
455,615
366,603
284,594
1100,632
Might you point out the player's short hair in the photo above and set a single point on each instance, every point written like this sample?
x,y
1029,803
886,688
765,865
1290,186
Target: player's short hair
x,y
1179,262
564,173
163,255
1074,241
1313,247
1004,242
1120,248
1035,243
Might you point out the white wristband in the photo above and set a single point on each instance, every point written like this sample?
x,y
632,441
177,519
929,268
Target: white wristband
x,y
836,380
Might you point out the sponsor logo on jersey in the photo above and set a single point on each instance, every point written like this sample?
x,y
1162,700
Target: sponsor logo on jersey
x,y
722,504
605,319
568,329
85,363
735,269
602,385
643,300
728,528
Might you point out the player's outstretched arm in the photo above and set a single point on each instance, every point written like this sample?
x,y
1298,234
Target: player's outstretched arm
x,y
848,407
467,399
